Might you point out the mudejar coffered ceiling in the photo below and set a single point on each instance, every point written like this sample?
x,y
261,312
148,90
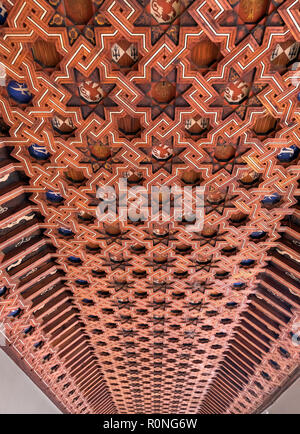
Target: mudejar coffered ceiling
x,y
146,316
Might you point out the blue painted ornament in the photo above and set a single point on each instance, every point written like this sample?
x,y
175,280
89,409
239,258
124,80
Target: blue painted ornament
x,y
65,232
247,262
271,199
39,152
52,196
28,330
74,259
238,285
3,14
81,282
19,92
3,290
286,155
14,313
256,235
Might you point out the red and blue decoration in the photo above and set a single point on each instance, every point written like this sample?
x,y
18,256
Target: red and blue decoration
x,y
62,124
162,152
236,91
90,92
164,11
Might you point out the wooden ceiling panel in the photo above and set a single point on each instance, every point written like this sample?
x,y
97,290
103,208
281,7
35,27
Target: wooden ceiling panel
x,y
145,316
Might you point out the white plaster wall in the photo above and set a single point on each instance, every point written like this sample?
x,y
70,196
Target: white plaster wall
x,y
18,394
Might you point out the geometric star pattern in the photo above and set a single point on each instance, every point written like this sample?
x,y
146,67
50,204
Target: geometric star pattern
x,y
145,316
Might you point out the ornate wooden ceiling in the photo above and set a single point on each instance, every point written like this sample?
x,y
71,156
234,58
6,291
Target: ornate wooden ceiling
x,y
148,317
